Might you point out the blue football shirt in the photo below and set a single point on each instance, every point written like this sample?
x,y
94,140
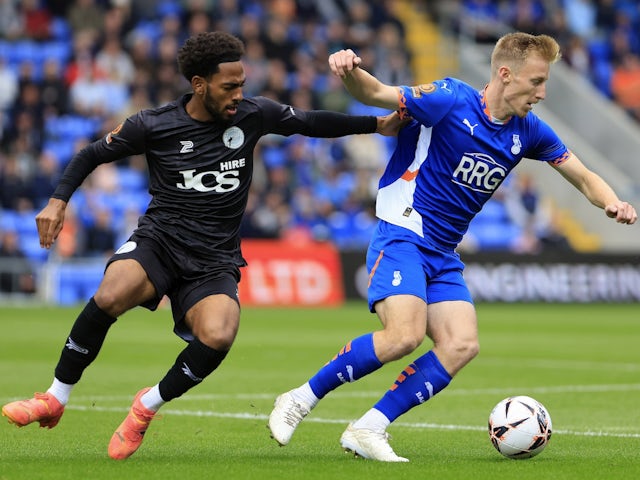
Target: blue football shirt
x,y
452,157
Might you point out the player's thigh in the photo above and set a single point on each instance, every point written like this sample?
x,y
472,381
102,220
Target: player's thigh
x,y
404,318
453,327
214,320
404,314
125,284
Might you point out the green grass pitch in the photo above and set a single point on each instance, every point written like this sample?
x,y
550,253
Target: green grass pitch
x,y
581,361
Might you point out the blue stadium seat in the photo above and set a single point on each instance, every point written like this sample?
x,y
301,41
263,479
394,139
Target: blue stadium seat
x,y
63,149
131,180
8,219
25,222
61,30
494,236
30,245
493,212
602,72
24,50
71,127
78,282
599,49
57,50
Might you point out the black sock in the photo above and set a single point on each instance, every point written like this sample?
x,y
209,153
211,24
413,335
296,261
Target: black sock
x,y
193,364
83,343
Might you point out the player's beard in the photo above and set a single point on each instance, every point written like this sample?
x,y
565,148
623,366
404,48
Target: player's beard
x,y
217,112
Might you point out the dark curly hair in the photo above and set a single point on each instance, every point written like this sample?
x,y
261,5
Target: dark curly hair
x,y
201,54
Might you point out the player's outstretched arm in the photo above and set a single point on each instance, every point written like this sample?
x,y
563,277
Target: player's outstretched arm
x,y
50,221
597,191
361,84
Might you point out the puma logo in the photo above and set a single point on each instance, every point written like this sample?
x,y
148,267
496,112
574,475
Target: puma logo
x,y
468,124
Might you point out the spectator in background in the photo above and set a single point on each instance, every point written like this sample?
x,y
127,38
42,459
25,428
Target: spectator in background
x,y
95,95
44,179
100,236
11,26
481,19
577,56
581,17
55,95
36,19
114,62
16,273
86,16
14,187
625,84
9,87
526,15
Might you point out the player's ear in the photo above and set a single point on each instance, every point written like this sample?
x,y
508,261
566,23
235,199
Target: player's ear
x,y
505,74
198,84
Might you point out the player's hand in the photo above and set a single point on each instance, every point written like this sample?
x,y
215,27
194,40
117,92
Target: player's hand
x,y
390,125
49,221
343,62
623,212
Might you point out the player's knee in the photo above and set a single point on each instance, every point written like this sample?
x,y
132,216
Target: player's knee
x,y
218,338
409,343
465,349
109,303
402,343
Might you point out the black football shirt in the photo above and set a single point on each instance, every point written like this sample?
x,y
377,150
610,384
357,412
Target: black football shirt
x,y
200,172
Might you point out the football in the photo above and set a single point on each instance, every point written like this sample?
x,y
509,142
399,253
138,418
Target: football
x,y
519,427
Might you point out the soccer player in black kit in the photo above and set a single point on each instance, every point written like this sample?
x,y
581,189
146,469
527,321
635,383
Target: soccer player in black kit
x,y
199,152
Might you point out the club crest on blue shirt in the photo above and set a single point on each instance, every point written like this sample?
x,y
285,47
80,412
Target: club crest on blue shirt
x,y
517,145
426,88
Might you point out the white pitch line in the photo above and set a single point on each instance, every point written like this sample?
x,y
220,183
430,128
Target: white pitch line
x,y
629,387
342,421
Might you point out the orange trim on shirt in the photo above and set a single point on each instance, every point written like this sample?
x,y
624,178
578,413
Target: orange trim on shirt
x,y
409,175
402,104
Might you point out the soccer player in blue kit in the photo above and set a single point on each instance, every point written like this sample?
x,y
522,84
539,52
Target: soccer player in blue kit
x,y
450,159
199,152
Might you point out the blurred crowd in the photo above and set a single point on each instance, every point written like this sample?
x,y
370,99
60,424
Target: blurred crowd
x,y
600,38
71,71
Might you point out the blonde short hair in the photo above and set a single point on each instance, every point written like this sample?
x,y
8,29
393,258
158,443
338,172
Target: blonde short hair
x,y
513,49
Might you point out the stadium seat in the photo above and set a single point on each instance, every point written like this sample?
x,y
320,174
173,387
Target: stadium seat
x,y
602,72
60,30
57,50
71,127
25,222
131,180
77,282
24,50
30,245
62,149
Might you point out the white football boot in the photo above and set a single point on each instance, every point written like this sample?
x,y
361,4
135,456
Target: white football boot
x,y
285,417
369,444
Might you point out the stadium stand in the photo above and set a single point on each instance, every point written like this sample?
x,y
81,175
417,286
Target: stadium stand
x,y
78,53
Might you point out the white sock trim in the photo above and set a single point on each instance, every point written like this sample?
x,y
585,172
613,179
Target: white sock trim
x,y
373,420
305,395
61,391
152,399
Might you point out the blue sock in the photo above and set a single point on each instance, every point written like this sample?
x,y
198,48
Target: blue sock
x,y
355,360
415,385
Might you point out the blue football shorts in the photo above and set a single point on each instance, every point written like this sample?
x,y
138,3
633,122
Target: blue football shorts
x,y
397,265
